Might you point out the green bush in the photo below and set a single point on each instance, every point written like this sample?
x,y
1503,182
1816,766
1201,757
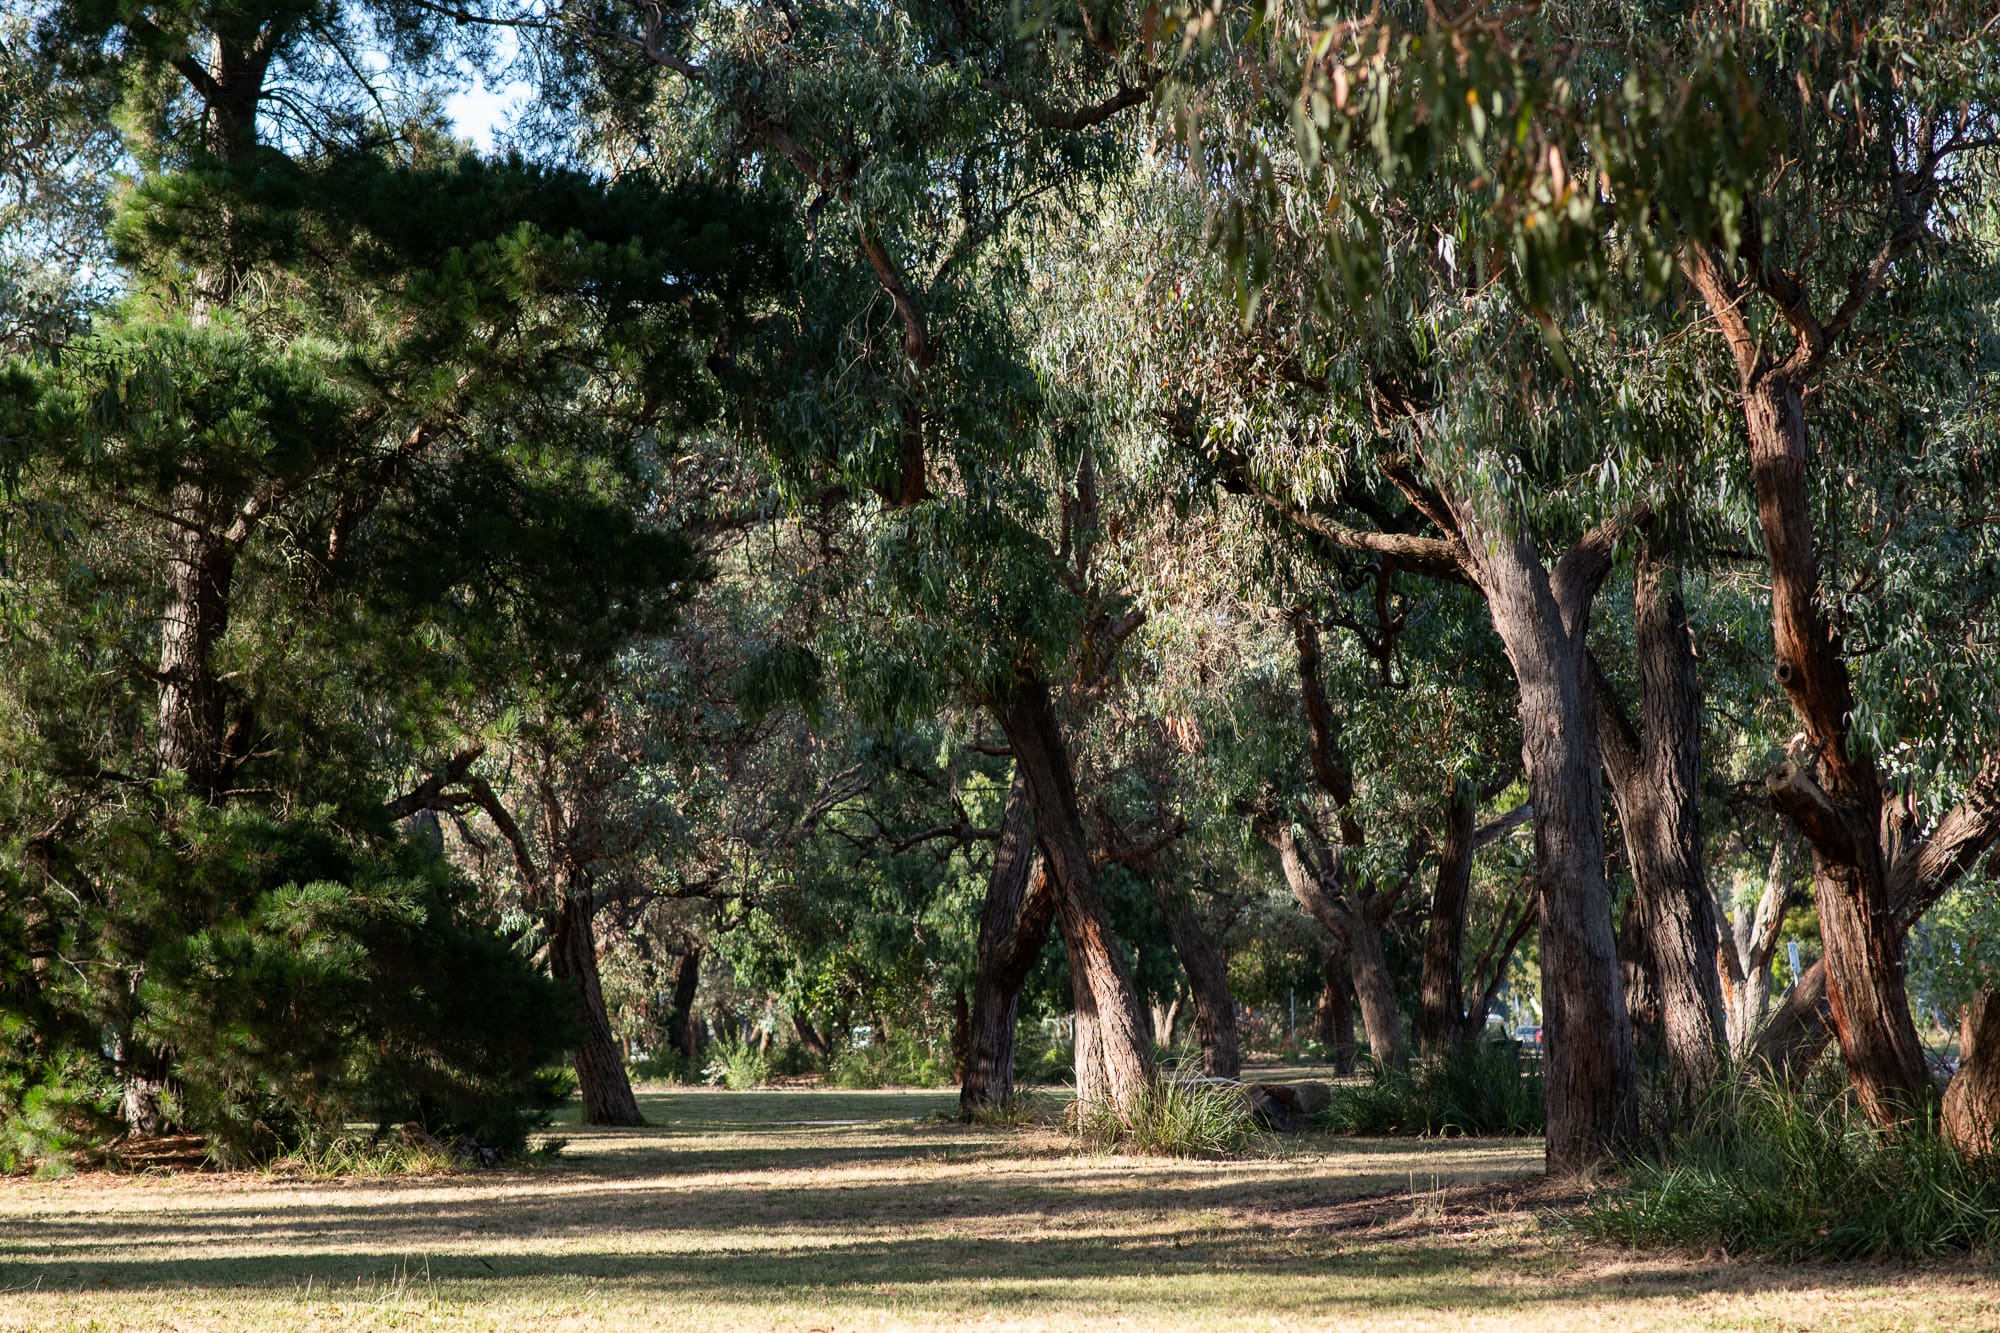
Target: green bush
x,y
903,1061
1172,1117
296,977
737,1064
330,984
663,1066
54,1116
1481,1088
1799,1173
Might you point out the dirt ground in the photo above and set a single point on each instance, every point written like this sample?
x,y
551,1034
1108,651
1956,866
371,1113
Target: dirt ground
x,y
862,1210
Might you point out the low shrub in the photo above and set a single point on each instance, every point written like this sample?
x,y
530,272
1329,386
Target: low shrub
x,y
900,1062
737,1064
662,1066
1798,1173
1173,1117
1478,1089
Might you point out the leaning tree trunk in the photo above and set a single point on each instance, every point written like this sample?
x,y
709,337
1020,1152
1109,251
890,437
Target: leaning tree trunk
x,y
1656,785
1441,1017
1972,1102
1368,965
683,1024
600,1068
1334,1021
1013,926
1841,812
1592,1078
1360,937
1208,979
1106,999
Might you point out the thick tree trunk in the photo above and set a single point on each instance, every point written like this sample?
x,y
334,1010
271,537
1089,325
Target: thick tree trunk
x,y
1839,809
1105,995
144,1070
1972,1102
1442,1022
605,1090
1592,1079
193,702
1334,1021
683,1023
1376,990
1656,784
1013,927
1208,979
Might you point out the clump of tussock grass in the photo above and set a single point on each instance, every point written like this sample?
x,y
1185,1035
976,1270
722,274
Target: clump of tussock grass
x,y
1476,1090
1171,1117
333,1156
738,1065
1760,1168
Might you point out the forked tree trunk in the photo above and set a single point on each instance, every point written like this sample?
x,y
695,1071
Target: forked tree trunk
x,y
1309,872
1013,927
1105,996
1542,618
1208,979
1748,944
1655,777
1442,1022
1333,1023
601,1081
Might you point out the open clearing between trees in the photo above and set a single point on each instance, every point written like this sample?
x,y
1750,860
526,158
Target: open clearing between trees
x,y
839,1210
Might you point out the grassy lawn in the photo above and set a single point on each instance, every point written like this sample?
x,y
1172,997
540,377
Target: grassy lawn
x,y
858,1210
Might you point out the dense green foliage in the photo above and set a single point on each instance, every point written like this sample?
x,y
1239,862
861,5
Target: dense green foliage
x,y
594,601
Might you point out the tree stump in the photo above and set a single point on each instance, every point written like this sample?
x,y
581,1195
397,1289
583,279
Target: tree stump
x,y
1972,1102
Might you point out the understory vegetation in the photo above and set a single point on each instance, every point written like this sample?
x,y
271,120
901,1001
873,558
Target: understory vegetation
x,y
1479,1089
1173,1117
1760,1168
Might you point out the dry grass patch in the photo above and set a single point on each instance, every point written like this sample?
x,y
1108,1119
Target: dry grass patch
x,y
860,1210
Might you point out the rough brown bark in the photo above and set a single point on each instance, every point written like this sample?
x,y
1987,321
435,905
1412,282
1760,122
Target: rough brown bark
x,y
1442,1021
1923,869
1541,618
1208,980
1836,801
602,1084
1333,1023
193,697
683,1024
1013,927
1972,1102
1655,774
1105,996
